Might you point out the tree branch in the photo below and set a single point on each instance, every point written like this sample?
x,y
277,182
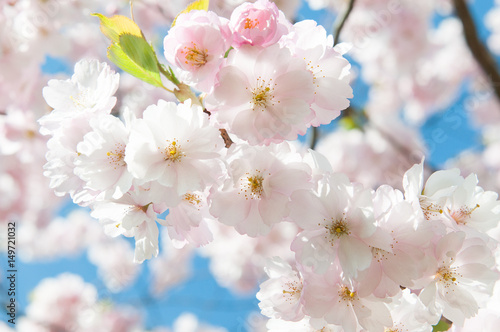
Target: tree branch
x,y
350,6
477,48
340,26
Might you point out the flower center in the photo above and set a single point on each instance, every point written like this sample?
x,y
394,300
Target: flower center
x,y
316,71
256,184
192,199
462,215
292,293
347,295
380,254
116,156
250,24
253,185
429,209
82,101
447,276
195,56
393,329
173,151
263,95
336,229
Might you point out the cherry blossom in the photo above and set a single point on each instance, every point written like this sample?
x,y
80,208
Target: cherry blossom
x,y
69,293
330,70
403,260
115,263
262,95
280,295
463,278
409,314
338,222
90,89
259,23
131,215
351,252
336,300
186,222
260,181
197,45
100,160
173,145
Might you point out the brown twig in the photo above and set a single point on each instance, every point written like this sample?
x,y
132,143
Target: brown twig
x,y
477,48
348,11
339,27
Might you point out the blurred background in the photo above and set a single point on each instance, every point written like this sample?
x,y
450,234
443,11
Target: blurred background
x,y
419,92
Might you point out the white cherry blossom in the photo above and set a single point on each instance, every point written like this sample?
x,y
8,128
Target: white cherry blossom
x,y
174,145
262,95
338,222
90,89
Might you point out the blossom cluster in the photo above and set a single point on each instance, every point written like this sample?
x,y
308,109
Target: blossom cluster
x,y
270,87
361,259
67,303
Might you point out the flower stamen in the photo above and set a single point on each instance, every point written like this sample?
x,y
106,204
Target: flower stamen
x,y
429,209
250,24
195,56
347,295
192,199
462,215
116,156
173,152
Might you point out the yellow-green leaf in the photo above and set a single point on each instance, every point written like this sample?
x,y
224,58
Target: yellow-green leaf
x,y
441,326
117,25
134,55
195,5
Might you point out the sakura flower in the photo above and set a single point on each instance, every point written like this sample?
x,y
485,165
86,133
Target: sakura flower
x,y
449,198
338,222
403,259
280,295
186,221
197,45
263,95
61,155
431,196
114,261
100,161
61,237
260,182
469,206
409,314
336,300
330,70
90,89
463,277
259,23
132,215
69,294
487,318
174,146
383,162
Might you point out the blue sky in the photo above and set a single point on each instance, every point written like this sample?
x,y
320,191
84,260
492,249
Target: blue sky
x,y
201,295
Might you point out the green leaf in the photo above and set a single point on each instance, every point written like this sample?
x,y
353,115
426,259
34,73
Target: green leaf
x,y
441,326
134,55
117,25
